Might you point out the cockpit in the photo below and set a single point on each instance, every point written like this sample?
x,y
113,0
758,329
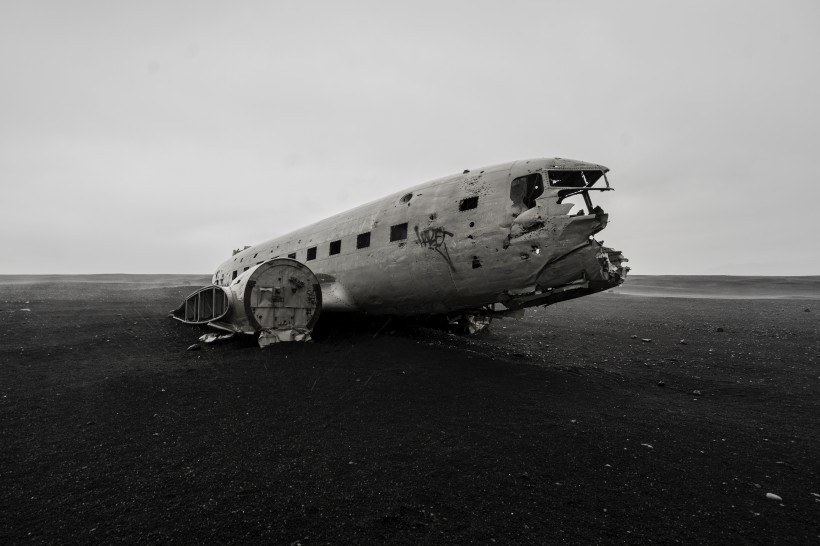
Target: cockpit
x,y
578,184
570,186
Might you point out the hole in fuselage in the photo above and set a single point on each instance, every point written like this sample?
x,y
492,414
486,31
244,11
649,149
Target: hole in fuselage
x,y
468,204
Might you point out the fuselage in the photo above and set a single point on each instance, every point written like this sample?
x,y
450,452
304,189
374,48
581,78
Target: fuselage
x,y
501,234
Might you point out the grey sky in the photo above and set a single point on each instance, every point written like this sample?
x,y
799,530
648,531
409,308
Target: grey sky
x,y
154,137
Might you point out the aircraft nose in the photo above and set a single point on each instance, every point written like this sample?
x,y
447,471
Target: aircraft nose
x,y
600,266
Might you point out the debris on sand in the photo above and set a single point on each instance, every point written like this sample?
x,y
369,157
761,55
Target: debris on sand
x,y
806,310
683,342
648,445
696,392
214,338
719,329
269,336
633,336
646,340
661,384
26,309
194,347
773,497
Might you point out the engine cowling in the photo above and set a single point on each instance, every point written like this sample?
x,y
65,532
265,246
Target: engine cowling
x,y
280,299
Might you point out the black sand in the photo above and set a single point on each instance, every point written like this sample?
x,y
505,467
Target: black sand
x,y
551,429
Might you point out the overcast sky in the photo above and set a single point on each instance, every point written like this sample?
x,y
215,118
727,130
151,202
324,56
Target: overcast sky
x,y
154,137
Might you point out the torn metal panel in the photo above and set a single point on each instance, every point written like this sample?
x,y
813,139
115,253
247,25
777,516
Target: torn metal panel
x,y
585,270
216,338
272,335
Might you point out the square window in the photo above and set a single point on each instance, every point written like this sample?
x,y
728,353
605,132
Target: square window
x,y
363,240
335,247
398,232
469,203
311,255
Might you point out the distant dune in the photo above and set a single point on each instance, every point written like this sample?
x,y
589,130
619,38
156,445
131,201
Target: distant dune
x,y
110,278
721,286
677,286
96,287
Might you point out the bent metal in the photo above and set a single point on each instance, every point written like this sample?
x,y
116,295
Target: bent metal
x,y
484,243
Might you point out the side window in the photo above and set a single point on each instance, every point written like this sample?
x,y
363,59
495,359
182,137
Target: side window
x,y
234,275
468,204
292,255
335,247
311,253
245,269
398,232
525,189
363,240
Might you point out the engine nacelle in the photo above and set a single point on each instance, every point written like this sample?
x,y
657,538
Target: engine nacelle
x,y
280,299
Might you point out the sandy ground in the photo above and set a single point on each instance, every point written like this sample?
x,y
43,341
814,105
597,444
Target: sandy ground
x,y
558,428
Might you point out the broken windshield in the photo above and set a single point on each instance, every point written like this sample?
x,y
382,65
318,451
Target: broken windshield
x,y
581,203
574,179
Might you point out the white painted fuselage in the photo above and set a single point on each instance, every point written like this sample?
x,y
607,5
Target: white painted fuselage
x,y
456,244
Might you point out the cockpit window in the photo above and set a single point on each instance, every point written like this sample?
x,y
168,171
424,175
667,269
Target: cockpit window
x,y
524,190
574,179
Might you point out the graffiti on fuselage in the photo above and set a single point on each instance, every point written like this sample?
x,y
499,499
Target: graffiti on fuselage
x,y
435,239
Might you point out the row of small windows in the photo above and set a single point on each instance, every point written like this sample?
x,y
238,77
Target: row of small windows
x,y
397,233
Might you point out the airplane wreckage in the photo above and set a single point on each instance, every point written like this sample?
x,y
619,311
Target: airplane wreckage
x,y
485,243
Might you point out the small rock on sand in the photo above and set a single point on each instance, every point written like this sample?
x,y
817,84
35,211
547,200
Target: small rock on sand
x,y
773,496
194,347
